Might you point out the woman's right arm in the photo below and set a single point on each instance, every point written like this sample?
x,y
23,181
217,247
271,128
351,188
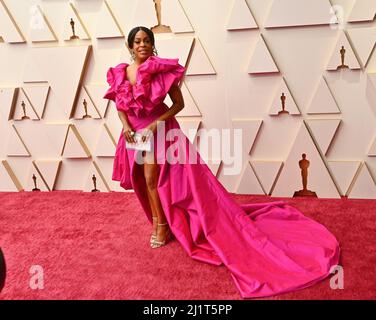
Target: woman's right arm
x,y
127,129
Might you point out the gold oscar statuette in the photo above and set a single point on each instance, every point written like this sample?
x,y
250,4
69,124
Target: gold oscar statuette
x,y
159,28
94,178
85,108
24,111
342,52
283,101
35,183
303,165
73,36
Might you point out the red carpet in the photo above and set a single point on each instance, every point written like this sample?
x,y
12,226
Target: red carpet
x,y
95,246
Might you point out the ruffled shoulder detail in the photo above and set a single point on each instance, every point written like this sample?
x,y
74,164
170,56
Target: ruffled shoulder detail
x,y
155,64
115,76
154,78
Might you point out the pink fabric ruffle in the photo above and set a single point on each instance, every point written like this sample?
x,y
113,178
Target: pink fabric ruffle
x,y
154,79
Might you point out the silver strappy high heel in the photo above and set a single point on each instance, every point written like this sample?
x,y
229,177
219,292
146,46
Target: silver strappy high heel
x,y
156,243
153,236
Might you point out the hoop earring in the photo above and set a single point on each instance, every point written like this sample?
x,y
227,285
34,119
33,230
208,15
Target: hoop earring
x,y
133,56
155,52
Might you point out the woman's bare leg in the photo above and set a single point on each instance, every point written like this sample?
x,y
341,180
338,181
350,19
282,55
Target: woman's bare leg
x,y
153,211
151,172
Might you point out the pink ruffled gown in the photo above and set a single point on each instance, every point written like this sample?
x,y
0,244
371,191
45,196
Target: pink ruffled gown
x,y
269,248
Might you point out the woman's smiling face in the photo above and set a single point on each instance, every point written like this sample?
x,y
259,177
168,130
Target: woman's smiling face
x,y
142,46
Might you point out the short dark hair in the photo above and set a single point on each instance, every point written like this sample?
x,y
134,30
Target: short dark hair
x,y
132,35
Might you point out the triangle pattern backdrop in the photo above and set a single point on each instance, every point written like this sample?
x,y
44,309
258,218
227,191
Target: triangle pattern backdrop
x,y
48,75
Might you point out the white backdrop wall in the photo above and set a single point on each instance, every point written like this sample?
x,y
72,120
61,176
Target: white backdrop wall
x,y
240,56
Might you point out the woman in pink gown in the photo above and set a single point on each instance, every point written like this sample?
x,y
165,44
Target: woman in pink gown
x,y
269,248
